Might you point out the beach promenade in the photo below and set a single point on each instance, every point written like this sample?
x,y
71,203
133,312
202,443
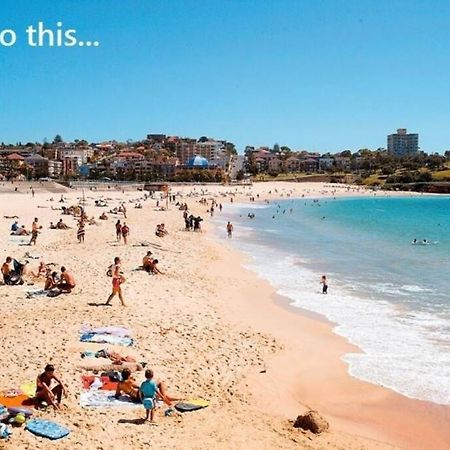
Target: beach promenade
x,y
208,327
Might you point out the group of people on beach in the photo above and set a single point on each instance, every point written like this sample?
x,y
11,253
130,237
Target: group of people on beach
x,y
50,390
122,232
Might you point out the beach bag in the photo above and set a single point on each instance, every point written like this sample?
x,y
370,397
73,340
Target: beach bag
x,y
109,271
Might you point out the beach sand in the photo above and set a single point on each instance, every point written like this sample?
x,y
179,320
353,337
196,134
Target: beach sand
x,y
208,327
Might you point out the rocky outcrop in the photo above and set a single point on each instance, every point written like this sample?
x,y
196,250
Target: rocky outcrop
x,y
312,421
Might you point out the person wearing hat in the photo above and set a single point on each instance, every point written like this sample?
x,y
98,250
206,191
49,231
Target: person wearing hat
x,y
45,391
147,262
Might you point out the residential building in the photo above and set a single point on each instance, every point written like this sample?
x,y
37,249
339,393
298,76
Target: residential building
x,y
403,143
54,168
236,165
38,165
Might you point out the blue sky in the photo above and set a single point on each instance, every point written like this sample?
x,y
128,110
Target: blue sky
x,y
317,74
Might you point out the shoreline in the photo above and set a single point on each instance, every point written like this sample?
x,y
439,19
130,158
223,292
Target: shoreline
x,y
351,405
210,327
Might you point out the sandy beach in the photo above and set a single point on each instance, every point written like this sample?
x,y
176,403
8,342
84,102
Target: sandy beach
x,y
208,327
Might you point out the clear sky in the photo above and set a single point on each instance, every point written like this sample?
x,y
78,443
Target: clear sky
x,y
311,74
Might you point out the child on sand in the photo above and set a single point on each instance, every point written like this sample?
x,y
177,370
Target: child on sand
x,y
148,392
324,283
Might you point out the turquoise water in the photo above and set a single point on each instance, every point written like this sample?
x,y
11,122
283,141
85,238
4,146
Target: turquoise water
x,y
389,297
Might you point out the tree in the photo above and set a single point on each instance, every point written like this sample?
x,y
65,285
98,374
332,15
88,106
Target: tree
x,y
276,148
240,175
58,139
231,149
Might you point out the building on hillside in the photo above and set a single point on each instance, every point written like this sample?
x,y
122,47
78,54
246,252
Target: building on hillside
x,y
236,165
293,164
326,162
54,168
159,167
70,166
38,165
275,165
309,164
403,143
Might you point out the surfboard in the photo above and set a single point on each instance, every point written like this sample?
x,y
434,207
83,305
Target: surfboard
x,y
191,405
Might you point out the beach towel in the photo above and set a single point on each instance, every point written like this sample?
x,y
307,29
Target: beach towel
x,y
29,388
47,428
114,331
107,384
106,399
15,400
34,293
106,339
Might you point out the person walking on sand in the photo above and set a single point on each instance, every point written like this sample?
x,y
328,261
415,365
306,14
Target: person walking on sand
x,y
35,227
230,229
324,283
125,232
117,280
118,231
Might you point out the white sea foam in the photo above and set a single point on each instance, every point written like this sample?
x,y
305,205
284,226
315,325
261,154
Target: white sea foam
x,y
404,350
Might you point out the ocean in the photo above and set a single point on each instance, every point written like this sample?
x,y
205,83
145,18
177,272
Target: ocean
x,y
386,295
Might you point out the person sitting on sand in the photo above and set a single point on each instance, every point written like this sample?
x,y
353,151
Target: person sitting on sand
x,y
153,268
15,226
41,272
44,391
21,231
128,386
161,230
67,281
7,269
61,225
103,216
147,262
51,281
52,226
